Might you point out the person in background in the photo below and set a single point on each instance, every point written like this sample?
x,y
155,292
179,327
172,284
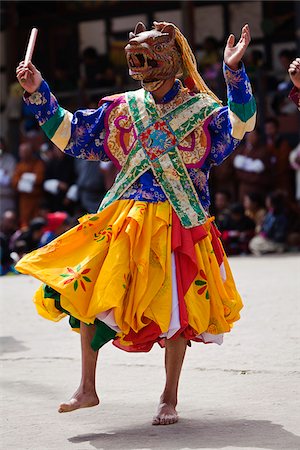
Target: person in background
x,y
8,226
59,177
294,158
90,185
210,65
238,231
280,103
273,234
279,149
7,168
294,73
221,209
26,240
60,225
252,165
254,209
28,181
224,177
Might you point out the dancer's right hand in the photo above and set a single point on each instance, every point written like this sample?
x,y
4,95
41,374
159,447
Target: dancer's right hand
x,y
29,77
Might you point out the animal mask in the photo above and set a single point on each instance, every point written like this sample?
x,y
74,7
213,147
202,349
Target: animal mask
x,y
153,56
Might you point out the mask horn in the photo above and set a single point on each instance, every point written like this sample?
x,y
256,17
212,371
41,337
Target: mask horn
x,y
139,28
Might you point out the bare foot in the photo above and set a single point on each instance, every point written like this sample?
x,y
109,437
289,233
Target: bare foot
x,y
166,415
79,400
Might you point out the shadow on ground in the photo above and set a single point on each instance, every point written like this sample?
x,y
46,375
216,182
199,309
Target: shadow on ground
x,y
8,344
192,434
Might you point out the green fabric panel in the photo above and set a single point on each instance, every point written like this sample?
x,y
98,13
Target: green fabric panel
x,y
243,111
74,323
53,123
103,334
49,292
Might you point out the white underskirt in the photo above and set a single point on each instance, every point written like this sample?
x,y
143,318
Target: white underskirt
x,y
108,316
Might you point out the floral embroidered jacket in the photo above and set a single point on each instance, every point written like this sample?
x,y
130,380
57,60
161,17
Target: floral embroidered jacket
x,y
107,133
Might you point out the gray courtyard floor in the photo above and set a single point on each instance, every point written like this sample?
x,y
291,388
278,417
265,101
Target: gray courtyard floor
x,y
242,395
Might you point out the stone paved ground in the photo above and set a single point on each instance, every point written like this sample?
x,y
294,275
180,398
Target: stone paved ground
x,y
242,395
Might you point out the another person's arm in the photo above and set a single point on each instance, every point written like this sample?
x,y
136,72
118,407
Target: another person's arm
x,y
294,73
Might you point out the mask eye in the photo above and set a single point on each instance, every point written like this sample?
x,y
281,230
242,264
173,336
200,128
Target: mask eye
x,y
158,47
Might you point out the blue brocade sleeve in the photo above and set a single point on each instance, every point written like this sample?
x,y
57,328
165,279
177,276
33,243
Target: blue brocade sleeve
x,y
80,134
230,124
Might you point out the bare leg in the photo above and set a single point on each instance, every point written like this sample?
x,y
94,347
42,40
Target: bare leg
x,y
174,356
86,395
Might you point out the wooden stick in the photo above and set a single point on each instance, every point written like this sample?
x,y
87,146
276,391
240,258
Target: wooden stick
x,y
30,46
29,50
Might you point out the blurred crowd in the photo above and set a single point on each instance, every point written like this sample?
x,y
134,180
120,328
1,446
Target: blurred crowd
x,y
43,193
255,192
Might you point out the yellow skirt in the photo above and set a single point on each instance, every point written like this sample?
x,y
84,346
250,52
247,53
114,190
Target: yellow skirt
x,y
135,272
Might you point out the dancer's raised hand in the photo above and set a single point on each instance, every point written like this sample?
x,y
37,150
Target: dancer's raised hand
x,y
234,53
29,77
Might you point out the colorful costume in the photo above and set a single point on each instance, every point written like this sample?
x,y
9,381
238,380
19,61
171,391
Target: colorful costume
x,y
149,265
294,95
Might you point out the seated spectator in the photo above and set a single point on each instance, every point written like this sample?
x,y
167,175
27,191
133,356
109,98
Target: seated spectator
x,y
238,232
209,63
59,176
294,158
279,149
273,234
8,226
252,163
280,102
221,209
7,168
58,224
224,177
96,70
27,181
24,241
254,209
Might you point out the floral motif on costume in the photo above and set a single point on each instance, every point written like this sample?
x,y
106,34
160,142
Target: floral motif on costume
x,y
87,224
198,178
203,285
102,235
219,122
212,329
157,139
234,78
140,206
76,277
92,156
248,87
51,247
37,98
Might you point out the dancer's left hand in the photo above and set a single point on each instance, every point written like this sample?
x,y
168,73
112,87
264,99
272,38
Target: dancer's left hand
x,y
234,53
